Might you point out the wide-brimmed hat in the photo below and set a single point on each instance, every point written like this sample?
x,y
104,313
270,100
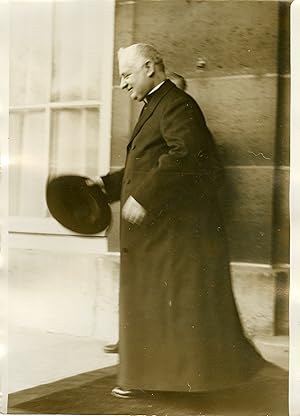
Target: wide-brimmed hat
x,y
77,206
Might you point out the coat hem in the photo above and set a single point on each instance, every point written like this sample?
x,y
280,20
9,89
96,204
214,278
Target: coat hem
x,y
190,388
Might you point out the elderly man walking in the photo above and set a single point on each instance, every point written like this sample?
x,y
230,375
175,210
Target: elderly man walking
x,y
179,325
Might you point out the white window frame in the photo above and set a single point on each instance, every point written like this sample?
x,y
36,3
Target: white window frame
x,y
35,226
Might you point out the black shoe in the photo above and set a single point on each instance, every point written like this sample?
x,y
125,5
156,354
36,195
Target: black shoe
x,y
111,348
126,394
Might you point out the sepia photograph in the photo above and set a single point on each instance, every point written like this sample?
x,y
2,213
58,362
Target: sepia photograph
x,y
145,245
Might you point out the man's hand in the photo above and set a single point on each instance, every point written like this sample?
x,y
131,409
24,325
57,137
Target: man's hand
x,y
133,211
96,180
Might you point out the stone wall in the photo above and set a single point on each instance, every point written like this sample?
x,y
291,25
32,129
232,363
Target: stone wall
x,y
235,58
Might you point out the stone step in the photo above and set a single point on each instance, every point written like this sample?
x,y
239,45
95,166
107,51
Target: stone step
x,y
274,349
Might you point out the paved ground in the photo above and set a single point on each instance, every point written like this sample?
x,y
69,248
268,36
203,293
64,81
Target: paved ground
x,y
274,349
37,357
265,394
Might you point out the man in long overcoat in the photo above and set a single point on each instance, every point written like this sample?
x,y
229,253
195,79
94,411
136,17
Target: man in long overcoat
x,y
179,326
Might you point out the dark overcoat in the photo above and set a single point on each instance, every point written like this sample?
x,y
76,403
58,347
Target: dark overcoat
x,y
179,326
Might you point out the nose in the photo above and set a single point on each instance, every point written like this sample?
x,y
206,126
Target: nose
x,y
123,83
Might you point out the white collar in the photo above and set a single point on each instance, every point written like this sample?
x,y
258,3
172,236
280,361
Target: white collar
x,y
156,88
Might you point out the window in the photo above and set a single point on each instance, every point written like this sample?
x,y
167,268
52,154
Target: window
x,y
61,59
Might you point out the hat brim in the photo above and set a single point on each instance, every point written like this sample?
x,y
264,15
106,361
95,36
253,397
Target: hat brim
x,y
75,205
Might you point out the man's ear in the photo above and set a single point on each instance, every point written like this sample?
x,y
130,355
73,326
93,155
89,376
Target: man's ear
x,y
150,68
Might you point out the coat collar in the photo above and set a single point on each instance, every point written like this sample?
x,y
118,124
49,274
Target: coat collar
x,y
155,99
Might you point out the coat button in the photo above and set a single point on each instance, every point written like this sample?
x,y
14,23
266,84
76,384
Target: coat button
x,y
133,147
129,180
125,250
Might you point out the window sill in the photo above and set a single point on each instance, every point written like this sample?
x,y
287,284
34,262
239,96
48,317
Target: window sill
x,y
34,225
45,234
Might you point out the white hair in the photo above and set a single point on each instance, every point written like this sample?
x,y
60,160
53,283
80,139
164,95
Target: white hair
x,y
144,51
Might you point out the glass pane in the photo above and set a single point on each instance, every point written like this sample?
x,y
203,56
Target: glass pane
x,y
74,142
28,164
92,142
77,51
94,38
30,53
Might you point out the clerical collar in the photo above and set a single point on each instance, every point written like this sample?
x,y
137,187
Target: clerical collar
x,y
149,95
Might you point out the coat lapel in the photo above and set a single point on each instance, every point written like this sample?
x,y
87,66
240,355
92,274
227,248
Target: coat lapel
x,y
147,112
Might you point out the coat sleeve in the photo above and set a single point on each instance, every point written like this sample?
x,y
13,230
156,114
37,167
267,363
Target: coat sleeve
x,y
184,130
113,185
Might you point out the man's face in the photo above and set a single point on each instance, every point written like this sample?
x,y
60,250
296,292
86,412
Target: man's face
x,y
134,76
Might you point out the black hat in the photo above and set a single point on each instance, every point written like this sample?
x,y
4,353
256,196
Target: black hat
x,y
77,206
